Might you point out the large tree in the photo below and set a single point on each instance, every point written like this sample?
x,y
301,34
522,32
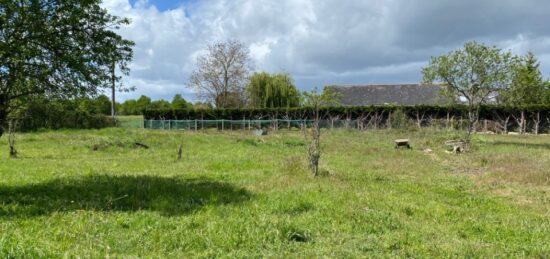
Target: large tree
x,y
527,85
221,73
57,48
272,91
475,74
178,102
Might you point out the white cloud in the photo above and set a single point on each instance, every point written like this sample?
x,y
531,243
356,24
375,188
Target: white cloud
x,y
323,42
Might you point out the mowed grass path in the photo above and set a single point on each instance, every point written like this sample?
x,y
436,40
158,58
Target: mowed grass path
x,y
236,195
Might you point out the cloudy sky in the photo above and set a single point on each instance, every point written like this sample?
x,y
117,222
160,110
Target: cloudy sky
x,y
322,42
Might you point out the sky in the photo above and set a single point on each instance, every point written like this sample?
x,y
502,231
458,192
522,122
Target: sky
x,y
321,42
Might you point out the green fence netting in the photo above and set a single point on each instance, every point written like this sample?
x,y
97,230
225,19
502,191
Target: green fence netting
x,y
242,124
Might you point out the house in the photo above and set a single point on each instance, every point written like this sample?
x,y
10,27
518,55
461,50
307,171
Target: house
x,y
399,94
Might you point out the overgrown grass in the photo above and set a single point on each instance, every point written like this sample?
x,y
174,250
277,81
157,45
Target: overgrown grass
x,y
237,195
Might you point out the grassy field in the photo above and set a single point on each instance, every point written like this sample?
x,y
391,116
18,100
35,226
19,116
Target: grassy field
x,y
94,193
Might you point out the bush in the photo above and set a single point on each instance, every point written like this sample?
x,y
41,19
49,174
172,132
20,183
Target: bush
x,y
58,114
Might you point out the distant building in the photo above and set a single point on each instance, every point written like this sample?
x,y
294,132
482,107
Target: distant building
x,y
402,94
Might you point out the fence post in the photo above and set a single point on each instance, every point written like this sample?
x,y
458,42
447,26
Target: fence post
x,y
222,125
195,124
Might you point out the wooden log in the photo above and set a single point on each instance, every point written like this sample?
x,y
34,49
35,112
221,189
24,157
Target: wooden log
x,y
402,143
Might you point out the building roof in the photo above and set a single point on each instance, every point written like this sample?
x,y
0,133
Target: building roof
x,y
401,94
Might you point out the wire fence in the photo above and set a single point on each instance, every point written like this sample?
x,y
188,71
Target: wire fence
x,y
223,124
283,124
359,124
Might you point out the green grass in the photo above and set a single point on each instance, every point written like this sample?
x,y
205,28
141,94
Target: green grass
x,y
236,195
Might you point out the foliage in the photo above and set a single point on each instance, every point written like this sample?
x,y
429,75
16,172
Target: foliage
x,y
352,112
57,48
179,103
41,113
272,91
159,104
99,105
137,107
231,199
220,74
312,135
476,72
527,86
328,97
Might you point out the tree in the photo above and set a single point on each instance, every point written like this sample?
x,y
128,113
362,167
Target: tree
x,y
159,105
116,85
475,73
57,48
272,91
179,103
201,105
316,100
527,85
142,103
221,73
129,107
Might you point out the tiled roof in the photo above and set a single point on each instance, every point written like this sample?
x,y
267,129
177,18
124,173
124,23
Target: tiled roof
x,y
403,94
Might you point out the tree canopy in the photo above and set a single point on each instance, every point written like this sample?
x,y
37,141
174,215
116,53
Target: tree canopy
x,y
527,86
476,72
220,74
178,102
272,91
57,48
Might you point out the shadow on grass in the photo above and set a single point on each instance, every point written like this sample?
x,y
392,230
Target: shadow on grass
x,y
168,196
521,144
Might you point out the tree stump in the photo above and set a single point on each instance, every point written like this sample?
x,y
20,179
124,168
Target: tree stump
x,y
402,143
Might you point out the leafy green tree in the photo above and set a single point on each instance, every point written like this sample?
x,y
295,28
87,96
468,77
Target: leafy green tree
x,y
57,48
159,105
129,107
103,105
272,91
527,85
179,103
98,105
142,103
547,89
328,97
475,73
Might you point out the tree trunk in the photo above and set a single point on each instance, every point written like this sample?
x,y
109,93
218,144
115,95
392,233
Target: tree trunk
x,y
113,86
11,140
506,122
3,116
473,114
536,121
447,121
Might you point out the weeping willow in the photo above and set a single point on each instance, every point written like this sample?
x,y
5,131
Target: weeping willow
x,y
272,91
